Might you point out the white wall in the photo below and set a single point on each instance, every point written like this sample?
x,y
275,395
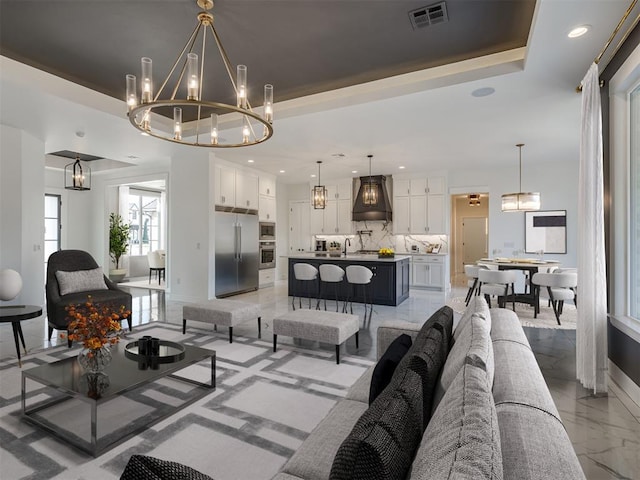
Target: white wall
x,y
22,210
557,183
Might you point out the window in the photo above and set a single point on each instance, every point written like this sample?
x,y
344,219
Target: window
x,y
145,219
51,225
634,204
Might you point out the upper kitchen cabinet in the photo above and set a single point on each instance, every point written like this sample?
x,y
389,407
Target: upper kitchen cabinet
x,y
267,185
246,190
225,183
335,218
418,206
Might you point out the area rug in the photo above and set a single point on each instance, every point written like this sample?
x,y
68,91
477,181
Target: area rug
x,y
546,318
263,408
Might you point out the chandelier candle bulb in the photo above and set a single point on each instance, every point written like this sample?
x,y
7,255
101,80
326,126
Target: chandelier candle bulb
x,y
177,123
132,98
268,103
192,76
241,81
214,129
147,80
245,129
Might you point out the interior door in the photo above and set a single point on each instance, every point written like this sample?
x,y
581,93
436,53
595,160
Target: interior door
x,y
474,239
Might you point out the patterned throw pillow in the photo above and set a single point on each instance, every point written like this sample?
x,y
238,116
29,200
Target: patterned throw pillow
x,y
387,364
382,444
149,468
80,281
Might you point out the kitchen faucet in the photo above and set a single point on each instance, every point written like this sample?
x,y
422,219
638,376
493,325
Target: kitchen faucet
x,y
346,240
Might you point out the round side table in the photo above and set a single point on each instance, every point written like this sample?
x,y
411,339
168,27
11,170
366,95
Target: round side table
x,y
15,314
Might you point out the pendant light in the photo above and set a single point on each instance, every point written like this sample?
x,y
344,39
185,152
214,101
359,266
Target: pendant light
x,y
319,193
474,200
77,176
370,192
520,201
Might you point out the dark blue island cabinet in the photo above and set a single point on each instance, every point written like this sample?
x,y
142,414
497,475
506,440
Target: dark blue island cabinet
x,y
389,285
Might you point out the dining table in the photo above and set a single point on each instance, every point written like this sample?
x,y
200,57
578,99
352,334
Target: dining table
x,y
529,266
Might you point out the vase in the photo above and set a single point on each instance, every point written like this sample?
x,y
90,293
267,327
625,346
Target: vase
x,y
94,361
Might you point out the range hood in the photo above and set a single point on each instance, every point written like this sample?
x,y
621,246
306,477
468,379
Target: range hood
x,y
372,202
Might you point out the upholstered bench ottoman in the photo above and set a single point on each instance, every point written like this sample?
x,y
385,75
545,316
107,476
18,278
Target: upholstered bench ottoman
x,y
227,313
321,326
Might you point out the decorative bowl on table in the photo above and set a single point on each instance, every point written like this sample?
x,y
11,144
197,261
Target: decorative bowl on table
x,y
386,253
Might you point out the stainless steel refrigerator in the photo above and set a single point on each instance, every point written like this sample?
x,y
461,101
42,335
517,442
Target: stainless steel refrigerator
x,y
237,256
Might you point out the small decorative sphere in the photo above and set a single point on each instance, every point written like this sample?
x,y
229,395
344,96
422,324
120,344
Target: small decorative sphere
x,y
10,284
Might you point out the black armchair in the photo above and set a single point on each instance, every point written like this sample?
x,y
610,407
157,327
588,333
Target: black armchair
x,y
70,261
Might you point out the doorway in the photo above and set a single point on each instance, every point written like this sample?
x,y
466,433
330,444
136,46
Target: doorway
x,y
470,232
52,226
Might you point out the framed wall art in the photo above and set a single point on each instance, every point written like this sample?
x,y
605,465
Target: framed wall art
x,y
545,231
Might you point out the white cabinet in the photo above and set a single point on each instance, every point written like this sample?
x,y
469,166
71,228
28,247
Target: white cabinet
x,y
335,218
267,186
267,210
299,227
266,278
246,190
225,186
418,206
429,271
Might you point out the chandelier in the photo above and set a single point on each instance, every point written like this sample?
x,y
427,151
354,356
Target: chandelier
x,y
319,193
370,192
520,201
254,129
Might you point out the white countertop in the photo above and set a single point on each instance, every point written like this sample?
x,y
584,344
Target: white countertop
x,y
353,256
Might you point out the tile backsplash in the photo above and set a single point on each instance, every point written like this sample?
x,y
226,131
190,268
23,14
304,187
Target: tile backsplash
x,y
376,235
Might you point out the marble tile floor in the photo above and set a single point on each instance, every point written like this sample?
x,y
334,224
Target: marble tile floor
x,y
604,430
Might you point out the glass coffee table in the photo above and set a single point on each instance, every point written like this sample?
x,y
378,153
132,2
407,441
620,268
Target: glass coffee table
x,y
74,395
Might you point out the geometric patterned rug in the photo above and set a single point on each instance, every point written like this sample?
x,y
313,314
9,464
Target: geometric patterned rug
x,y
546,317
263,408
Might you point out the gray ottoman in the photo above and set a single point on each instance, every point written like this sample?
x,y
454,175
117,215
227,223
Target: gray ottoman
x,y
227,313
328,327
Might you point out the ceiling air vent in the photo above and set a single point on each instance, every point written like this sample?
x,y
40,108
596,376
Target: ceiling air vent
x,y
431,15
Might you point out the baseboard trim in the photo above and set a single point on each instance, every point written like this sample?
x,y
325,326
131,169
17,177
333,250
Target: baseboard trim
x,y
625,383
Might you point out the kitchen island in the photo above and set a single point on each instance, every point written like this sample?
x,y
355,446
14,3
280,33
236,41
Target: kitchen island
x,y
389,285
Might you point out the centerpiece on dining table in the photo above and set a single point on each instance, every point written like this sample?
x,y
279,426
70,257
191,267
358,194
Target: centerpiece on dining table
x,y
97,327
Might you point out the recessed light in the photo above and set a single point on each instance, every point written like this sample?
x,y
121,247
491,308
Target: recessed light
x,y
313,175
483,92
578,31
281,171
401,167
250,161
354,171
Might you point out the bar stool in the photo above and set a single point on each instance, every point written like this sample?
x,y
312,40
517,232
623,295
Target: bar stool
x,y
359,275
304,272
497,282
329,274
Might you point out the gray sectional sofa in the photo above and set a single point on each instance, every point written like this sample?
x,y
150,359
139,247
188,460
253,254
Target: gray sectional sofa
x,y
532,442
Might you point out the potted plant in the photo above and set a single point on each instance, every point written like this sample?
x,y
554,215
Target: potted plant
x,y
118,243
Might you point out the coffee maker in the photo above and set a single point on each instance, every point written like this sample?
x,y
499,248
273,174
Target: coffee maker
x,y
321,245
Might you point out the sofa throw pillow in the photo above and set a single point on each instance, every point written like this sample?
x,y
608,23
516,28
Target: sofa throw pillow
x,y
474,342
462,441
80,281
382,443
476,305
427,363
443,318
150,468
387,364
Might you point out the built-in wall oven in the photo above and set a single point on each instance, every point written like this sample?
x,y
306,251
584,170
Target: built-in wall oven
x,y
267,231
267,255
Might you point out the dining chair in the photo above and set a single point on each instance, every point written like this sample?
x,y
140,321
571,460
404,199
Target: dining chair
x,y
471,271
497,282
560,286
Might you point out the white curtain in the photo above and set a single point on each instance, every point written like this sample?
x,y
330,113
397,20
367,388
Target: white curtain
x,y
591,334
